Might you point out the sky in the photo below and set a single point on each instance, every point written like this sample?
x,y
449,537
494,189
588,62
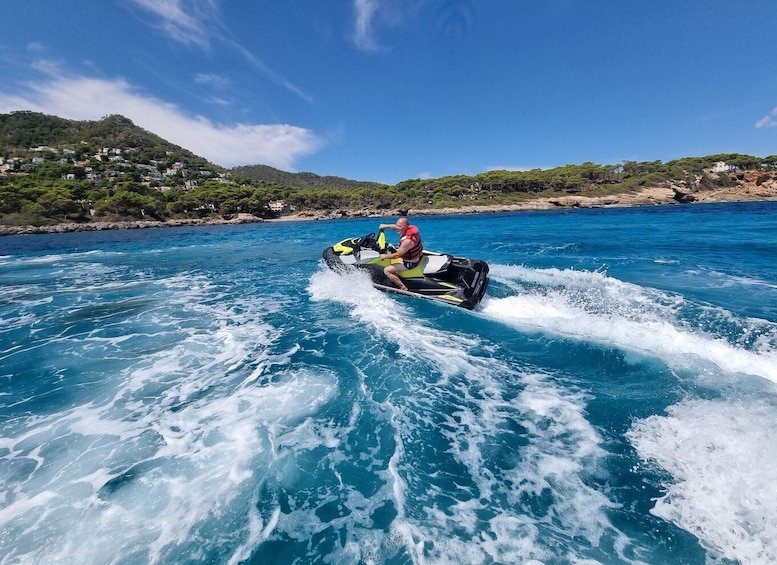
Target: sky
x,y
391,90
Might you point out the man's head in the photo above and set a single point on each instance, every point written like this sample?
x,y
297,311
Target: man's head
x,y
402,224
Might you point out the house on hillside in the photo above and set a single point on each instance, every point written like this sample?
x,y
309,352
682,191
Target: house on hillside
x,y
148,172
721,167
280,207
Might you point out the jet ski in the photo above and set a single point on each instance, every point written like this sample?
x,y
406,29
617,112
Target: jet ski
x,y
457,281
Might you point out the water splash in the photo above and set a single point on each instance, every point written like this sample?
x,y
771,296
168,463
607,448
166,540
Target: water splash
x,y
591,306
722,486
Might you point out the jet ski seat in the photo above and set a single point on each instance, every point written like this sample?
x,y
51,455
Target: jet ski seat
x,y
435,263
430,264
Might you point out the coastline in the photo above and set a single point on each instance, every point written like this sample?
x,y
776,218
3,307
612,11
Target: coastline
x,y
752,187
69,227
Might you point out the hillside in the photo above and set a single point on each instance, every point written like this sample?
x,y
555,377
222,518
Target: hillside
x,y
21,132
54,170
299,180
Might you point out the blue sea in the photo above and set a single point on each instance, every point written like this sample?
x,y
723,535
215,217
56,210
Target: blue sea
x,y
216,395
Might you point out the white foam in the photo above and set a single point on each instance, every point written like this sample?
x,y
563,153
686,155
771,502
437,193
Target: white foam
x,y
61,256
354,289
446,375
593,307
170,446
721,279
193,464
720,454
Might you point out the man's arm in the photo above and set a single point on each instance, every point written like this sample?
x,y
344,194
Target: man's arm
x,y
404,247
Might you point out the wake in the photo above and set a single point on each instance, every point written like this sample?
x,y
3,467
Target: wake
x,y
590,306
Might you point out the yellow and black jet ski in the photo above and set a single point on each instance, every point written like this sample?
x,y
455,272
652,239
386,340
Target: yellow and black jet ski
x,y
458,281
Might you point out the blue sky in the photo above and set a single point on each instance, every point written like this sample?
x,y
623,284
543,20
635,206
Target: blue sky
x,y
389,90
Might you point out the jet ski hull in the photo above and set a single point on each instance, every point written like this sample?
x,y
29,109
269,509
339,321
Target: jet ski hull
x,y
458,281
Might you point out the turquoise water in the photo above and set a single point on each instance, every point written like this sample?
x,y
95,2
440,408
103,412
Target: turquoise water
x,y
215,395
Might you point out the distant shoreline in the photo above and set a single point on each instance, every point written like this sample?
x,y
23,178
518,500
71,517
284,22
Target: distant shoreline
x,y
654,196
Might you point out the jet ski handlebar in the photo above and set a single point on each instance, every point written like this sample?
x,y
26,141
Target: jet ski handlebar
x,y
368,241
378,244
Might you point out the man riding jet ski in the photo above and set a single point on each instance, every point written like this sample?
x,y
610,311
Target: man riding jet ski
x,y
410,250
458,281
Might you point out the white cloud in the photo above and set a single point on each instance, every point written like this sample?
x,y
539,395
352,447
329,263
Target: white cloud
x,y
768,121
218,101
370,16
211,79
267,72
365,15
199,22
85,98
35,47
186,21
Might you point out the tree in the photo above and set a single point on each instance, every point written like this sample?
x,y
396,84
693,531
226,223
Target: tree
x,y
126,203
58,201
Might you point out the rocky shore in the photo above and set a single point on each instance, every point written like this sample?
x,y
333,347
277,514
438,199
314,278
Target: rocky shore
x,y
67,227
749,186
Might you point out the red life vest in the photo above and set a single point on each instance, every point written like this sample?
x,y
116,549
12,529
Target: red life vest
x,y
413,254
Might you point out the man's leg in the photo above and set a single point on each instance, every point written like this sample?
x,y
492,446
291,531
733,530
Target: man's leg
x,y
391,272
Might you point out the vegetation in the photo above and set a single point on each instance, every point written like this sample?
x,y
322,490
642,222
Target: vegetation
x,y
299,180
54,170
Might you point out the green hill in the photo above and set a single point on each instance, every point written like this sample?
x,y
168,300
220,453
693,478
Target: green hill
x,y
20,132
300,180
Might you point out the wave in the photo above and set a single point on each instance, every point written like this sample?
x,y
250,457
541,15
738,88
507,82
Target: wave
x,y
590,306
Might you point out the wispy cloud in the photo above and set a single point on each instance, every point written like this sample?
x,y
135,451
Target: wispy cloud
x,y
35,47
219,101
365,11
370,16
199,23
453,18
211,79
186,21
517,168
88,98
768,121
266,71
